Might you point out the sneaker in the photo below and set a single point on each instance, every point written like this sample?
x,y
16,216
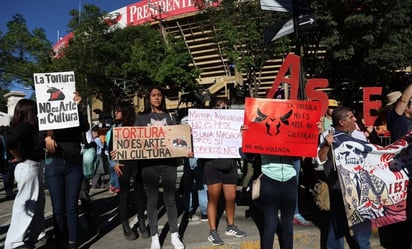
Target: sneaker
x,y
111,189
203,217
194,218
234,231
215,239
155,242
176,242
299,220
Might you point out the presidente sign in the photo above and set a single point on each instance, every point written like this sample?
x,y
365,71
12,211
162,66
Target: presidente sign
x,y
139,13
55,104
149,142
216,132
281,127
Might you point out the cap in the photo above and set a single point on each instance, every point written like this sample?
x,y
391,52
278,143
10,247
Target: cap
x,y
392,97
332,103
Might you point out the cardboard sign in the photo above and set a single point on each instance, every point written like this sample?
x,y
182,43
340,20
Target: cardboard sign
x,y
216,132
149,142
281,127
54,96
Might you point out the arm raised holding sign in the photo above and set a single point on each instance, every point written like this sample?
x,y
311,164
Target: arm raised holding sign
x,y
64,174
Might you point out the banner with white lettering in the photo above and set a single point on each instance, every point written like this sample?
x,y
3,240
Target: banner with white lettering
x,y
55,105
148,142
374,179
216,132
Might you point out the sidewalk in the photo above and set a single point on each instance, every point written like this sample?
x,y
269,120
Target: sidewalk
x,y
194,232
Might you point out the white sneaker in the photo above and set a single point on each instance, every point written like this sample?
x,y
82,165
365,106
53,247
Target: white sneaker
x,y
176,242
41,235
155,242
194,218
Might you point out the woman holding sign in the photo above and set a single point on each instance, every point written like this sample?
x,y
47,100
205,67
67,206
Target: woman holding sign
x,y
221,175
125,114
155,114
64,174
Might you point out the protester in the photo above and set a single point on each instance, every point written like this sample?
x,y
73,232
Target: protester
x,y
365,132
154,170
6,167
298,218
218,179
27,220
126,169
326,120
114,185
97,180
194,189
63,173
399,122
344,121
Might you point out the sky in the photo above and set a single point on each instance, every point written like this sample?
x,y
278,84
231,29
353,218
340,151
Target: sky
x,y
51,15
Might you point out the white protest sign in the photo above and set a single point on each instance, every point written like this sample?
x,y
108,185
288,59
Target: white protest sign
x,y
55,105
216,132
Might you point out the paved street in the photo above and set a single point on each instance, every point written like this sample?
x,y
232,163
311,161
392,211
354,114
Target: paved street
x,y
195,233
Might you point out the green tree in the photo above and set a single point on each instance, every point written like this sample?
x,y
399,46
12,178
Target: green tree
x,y
239,27
22,53
114,64
367,43
155,62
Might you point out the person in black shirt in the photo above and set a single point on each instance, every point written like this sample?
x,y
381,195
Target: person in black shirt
x,y
27,221
64,173
155,114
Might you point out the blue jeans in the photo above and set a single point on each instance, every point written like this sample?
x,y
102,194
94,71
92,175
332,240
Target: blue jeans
x,y
333,242
63,178
362,233
202,195
114,179
275,197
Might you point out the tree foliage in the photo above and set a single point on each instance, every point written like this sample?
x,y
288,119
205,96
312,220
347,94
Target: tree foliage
x,y
354,43
22,53
114,64
367,43
239,28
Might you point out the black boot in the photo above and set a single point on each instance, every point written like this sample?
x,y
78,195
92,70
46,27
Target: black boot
x,y
144,232
128,232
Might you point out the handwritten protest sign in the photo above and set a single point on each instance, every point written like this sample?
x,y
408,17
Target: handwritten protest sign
x,y
216,132
54,96
281,127
149,142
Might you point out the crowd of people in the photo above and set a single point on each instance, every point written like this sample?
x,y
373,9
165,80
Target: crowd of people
x,y
205,181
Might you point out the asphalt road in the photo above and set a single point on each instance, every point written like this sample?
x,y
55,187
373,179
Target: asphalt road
x,y
194,232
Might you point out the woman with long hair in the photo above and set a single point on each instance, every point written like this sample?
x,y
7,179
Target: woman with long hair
x,y
220,180
27,220
64,175
125,113
155,114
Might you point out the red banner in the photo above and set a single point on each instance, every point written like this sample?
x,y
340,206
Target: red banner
x,y
281,127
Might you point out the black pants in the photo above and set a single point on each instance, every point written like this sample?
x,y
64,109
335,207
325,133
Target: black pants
x,y
131,170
